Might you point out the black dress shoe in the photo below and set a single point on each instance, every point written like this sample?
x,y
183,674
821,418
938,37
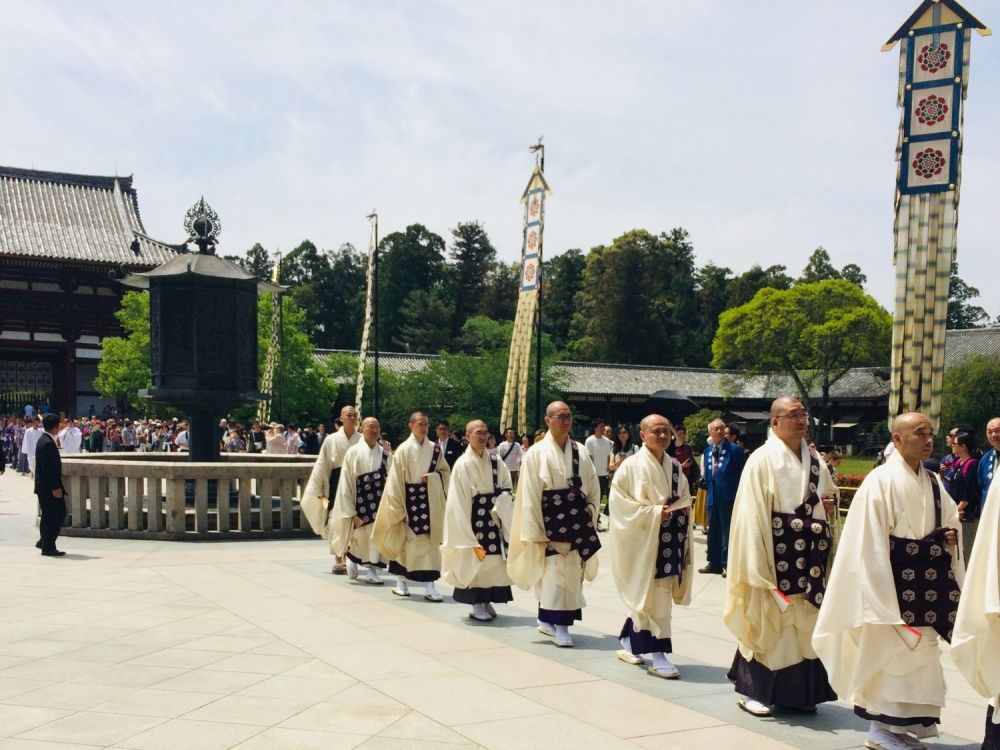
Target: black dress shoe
x,y
53,552
709,569
38,544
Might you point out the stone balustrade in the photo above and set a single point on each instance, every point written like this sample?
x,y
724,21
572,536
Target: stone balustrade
x,y
165,496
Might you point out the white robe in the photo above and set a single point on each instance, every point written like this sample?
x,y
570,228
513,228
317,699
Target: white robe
x,y
317,492
391,533
774,479
557,579
344,537
866,659
975,644
641,487
471,475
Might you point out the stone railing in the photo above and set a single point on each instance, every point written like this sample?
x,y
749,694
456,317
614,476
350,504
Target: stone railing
x,y
165,496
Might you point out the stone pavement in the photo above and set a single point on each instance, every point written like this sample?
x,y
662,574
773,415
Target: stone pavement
x,y
252,645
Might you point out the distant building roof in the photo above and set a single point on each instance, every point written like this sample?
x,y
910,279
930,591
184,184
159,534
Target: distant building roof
x,y
598,380
970,342
84,218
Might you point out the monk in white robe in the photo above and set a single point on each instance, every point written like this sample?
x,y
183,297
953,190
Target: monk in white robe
x,y
975,645
359,493
409,526
319,495
650,541
893,593
474,553
779,548
554,542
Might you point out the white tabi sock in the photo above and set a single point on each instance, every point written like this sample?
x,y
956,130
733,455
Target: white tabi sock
x,y
401,583
372,574
430,590
626,644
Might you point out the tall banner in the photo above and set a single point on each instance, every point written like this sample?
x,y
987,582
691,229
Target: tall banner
x,y
933,83
515,392
267,380
367,327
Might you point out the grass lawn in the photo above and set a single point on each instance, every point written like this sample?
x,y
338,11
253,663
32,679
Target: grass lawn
x,y
856,465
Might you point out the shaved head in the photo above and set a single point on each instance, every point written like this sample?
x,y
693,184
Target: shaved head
x,y
913,436
783,404
556,407
907,420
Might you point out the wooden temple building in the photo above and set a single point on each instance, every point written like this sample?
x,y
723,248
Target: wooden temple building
x,y
61,238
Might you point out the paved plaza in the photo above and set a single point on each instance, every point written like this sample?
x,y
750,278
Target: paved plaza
x,y
253,645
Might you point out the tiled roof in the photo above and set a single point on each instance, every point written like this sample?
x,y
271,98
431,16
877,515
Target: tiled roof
x,y
53,215
595,379
971,341
399,363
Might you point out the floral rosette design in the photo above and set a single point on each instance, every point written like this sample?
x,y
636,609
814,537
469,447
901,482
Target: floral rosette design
x,y
929,163
933,57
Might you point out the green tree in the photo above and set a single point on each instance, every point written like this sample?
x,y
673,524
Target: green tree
x,y
408,260
473,259
426,318
971,392
304,389
814,333
712,284
819,268
631,305
503,285
256,261
961,312
852,272
562,276
743,288
124,367
697,428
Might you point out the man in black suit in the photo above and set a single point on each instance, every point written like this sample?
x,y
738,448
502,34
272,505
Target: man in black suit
x,y
49,487
450,447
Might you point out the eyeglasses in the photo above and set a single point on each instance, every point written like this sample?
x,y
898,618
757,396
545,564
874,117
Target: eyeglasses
x,y
796,415
562,417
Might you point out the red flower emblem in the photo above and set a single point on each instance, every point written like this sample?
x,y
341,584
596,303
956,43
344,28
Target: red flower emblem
x,y
931,110
529,273
929,163
534,207
532,239
933,57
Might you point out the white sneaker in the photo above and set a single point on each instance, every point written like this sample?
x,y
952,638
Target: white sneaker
x,y
352,569
563,639
545,629
480,614
882,739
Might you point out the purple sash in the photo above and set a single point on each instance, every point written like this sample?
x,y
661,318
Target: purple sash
x,y
802,545
673,537
418,509
368,492
567,517
486,531
925,583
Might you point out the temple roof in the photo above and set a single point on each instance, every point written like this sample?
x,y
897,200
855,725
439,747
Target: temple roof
x,y
84,218
603,380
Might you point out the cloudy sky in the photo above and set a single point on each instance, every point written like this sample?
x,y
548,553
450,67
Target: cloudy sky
x,y
764,127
